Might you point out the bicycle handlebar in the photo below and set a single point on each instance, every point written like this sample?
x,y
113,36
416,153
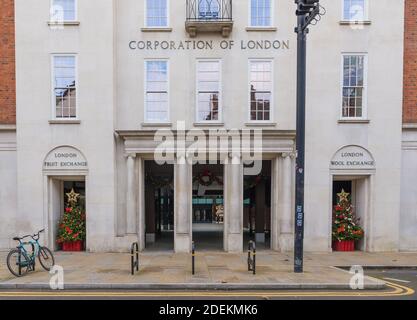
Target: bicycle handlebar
x,y
37,235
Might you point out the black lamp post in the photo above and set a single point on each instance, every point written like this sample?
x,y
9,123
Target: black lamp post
x,y
307,12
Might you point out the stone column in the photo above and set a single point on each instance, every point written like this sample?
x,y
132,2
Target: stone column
x,y
183,205
260,212
234,205
286,220
131,221
275,200
141,203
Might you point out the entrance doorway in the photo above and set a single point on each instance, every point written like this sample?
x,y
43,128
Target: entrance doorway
x,y
208,207
159,206
257,207
358,188
59,190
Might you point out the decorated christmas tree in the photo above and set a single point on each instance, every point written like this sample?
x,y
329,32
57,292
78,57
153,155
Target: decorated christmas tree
x,y
345,224
72,226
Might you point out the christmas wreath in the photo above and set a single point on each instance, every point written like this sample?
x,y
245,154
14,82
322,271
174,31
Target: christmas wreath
x,y
207,178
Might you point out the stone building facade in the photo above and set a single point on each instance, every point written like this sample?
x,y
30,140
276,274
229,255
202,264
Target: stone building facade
x,y
110,82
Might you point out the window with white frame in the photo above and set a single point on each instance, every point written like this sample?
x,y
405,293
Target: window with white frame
x,y
156,87
260,90
354,10
63,10
354,89
208,90
260,13
65,86
156,13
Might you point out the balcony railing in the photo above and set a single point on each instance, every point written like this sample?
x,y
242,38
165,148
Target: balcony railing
x,y
209,16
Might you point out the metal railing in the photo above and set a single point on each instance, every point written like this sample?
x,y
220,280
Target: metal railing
x,y
134,257
209,10
252,257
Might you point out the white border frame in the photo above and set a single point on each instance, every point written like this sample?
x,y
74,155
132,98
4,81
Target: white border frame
x,y
145,73
54,117
272,22
220,90
273,91
75,8
365,16
365,86
145,16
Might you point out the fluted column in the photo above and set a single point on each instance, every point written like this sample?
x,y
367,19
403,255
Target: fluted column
x,y
131,220
234,205
183,205
141,204
286,237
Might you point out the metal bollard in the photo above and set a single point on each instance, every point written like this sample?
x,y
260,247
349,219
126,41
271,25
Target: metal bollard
x,y
134,253
252,257
193,258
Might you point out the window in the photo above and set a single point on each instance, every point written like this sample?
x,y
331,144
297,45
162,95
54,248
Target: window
x,y
354,10
63,10
260,90
156,13
64,86
353,86
208,90
260,13
208,9
156,86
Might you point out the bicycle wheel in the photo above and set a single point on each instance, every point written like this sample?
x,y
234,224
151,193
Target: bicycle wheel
x,y
14,259
46,258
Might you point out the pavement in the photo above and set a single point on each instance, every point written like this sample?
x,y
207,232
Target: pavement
x,y
214,271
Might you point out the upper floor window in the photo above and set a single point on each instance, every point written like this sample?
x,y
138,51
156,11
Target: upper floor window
x,y
156,13
63,10
260,72
354,10
260,13
65,86
156,91
208,90
354,86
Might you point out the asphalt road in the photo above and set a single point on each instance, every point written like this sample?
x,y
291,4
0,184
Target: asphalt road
x,y
402,285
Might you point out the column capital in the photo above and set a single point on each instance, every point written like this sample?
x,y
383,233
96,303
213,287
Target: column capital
x,y
130,155
291,155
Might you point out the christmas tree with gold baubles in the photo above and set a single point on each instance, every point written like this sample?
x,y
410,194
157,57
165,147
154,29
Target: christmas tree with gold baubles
x,y
345,225
72,226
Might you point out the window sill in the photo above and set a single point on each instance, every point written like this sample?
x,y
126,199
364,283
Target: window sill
x,y
156,29
261,124
7,127
64,23
355,23
261,29
157,124
209,124
57,121
354,121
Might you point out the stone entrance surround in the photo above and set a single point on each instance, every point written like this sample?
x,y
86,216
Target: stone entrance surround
x,y
278,147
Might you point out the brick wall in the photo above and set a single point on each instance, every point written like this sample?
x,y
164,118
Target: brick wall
x,y
410,62
7,63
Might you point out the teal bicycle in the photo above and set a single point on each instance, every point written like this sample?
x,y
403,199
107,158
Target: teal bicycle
x,y
20,261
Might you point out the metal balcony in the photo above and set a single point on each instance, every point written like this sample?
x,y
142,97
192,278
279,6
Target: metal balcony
x,y
209,16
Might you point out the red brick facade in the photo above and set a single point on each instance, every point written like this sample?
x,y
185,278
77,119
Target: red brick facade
x,y
7,63
410,62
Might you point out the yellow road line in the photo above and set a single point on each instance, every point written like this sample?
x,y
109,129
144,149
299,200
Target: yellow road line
x,y
398,290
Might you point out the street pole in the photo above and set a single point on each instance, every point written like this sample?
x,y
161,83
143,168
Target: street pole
x,y
300,144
